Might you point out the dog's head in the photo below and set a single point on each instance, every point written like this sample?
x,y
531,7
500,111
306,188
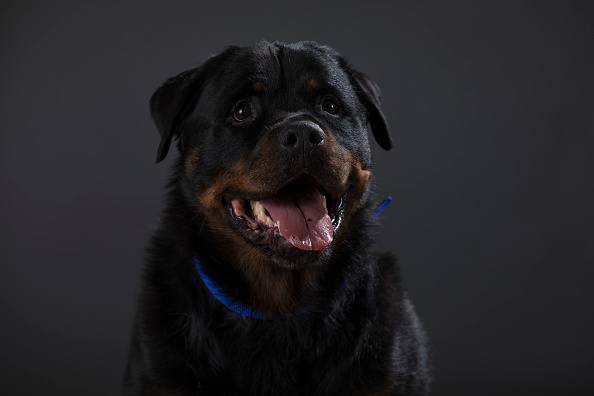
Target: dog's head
x,y
274,146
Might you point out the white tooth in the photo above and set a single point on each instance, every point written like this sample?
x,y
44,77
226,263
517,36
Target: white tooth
x,y
260,213
324,202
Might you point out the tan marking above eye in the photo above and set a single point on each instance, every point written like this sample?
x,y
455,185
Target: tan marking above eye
x,y
312,84
259,86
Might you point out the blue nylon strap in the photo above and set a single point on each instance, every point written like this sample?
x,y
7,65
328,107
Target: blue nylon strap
x,y
250,312
379,209
225,299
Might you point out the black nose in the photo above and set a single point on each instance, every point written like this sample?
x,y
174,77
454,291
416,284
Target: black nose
x,y
303,133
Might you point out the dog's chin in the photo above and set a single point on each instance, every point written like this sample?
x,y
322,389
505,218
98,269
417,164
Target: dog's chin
x,y
289,258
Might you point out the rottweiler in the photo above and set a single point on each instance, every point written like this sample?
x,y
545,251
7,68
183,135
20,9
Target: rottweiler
x,y
259,278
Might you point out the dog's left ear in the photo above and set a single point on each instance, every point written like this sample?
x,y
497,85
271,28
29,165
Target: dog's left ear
x,y
370,95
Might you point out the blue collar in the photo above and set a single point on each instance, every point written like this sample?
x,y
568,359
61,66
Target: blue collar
x,y
244,310
379,209
225,299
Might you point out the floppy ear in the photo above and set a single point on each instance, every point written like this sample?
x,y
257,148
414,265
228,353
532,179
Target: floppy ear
x,y
171,102
370,95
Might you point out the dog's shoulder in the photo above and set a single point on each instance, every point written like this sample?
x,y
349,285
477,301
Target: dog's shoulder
x,y
409,358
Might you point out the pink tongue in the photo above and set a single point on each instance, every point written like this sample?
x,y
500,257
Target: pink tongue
x,y
302,219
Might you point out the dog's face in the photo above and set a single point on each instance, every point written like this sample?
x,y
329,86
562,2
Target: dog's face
x,y
274,145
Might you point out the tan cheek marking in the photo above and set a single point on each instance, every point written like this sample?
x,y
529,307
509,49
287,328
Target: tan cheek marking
x,y
234,178
209,196
338,159
362,177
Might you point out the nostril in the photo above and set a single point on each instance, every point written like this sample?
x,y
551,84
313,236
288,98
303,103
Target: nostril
x,y
316,137
290,140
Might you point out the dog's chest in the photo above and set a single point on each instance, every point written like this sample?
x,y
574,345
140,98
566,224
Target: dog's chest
x,y
294,361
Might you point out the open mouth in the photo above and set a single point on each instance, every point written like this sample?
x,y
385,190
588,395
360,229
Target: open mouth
x,y
301,214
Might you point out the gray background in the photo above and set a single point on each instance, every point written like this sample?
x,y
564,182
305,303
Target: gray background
x,y
491,107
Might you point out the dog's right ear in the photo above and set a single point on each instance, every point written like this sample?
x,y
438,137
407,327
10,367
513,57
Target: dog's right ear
x,y
172,102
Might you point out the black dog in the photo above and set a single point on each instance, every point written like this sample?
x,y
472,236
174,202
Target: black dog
x,y
259,279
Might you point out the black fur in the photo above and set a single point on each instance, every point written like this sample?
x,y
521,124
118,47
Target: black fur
x,y
355,332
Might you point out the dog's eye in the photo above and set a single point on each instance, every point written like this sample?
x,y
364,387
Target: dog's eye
x,y
242,111
330,105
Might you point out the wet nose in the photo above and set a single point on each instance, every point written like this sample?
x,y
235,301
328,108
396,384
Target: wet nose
x,y
301,134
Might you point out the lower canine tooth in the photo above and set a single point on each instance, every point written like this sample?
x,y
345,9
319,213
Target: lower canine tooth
x,y
260,213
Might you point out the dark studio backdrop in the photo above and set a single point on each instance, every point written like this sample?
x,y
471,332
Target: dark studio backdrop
x,y
491,107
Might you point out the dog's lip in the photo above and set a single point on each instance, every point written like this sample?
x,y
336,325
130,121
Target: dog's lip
x,y
229,195
334,200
